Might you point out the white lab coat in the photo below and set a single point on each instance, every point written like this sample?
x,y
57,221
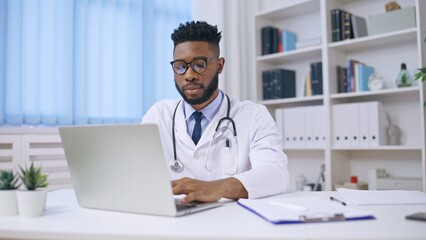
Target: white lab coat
x,y
262,165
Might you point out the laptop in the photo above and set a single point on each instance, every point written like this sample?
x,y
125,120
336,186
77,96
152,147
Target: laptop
x,y
122,168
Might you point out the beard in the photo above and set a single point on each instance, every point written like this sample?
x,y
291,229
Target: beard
x,y
208,92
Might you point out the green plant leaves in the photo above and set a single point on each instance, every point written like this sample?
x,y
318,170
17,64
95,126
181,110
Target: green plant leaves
x,y
8,180
32,177
421,74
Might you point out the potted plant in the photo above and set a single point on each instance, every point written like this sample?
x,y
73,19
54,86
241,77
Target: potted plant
x,y
8,199
32,200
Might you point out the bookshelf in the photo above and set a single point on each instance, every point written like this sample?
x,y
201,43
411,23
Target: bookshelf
x,y
385,52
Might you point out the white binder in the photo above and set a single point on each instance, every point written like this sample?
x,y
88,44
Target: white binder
x,y
289,129
279,120
318,122
378,124
340,130
363,124
309,119
352,120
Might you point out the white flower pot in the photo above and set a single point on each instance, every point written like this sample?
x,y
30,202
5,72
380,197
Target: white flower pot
x,y
8,203
31,203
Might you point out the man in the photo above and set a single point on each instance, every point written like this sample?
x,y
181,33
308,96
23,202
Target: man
x,y
244,157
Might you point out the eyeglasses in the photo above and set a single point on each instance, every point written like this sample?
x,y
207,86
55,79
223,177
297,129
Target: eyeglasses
x,y
198,65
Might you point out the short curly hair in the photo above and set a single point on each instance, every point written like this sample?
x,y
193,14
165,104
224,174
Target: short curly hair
x,y
197,31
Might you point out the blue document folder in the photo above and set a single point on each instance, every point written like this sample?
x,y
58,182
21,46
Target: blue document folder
x,y
302,210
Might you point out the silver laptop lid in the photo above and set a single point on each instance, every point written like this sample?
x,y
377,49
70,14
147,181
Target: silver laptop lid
x,y
119,167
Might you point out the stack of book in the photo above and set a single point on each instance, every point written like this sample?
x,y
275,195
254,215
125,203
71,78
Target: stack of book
x,y
354,77
345,25
279,83
276,40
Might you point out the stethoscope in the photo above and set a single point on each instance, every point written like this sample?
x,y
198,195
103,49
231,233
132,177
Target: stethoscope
x,y
177,166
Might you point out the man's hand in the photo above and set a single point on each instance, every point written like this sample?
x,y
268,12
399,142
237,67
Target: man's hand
x,y
203,191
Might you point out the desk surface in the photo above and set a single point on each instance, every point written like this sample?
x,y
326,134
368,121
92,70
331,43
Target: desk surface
x,y
64,219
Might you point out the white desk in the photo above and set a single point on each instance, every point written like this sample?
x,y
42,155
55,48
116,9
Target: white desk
x,y
64,219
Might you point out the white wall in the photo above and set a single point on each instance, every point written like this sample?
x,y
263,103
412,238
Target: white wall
x,y
235,20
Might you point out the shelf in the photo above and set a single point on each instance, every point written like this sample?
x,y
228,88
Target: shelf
x,y
391,91
318,98
380,148
288,11
384,51
385,39
294,55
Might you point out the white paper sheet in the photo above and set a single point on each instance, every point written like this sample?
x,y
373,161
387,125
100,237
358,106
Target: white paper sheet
x,y
291,210
376,197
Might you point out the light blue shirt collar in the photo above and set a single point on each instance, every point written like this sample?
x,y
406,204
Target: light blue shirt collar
x,y
208,112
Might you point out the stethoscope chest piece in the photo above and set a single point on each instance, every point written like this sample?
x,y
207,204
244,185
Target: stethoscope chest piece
x,y
176,166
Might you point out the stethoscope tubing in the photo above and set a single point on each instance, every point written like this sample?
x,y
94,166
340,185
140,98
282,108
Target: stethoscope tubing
x,y
177,165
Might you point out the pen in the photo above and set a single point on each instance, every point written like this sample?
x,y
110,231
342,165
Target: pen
x,y
337,200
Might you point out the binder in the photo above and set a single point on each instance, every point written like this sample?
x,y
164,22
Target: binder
x,y
279,119
302,210
318,122
340,129
294,127
289,133
309,123
377,125
363,124
352,126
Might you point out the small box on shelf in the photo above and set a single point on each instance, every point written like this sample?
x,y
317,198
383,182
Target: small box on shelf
x,y
353,184
392,21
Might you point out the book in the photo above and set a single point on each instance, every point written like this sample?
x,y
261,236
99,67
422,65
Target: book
x,y
278,83
341,79
275,40
308,85
287,83
333,25
267,40
364,73
316,78
336,24
350,76
266,88
359,26
347,26
288,40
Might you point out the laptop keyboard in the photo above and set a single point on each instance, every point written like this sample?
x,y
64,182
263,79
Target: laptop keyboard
x,y
181,206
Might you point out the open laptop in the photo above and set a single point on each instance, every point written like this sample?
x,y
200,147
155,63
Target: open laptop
x,y
122,168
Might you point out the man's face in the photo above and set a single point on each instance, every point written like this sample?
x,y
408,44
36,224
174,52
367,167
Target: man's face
x,y
198,89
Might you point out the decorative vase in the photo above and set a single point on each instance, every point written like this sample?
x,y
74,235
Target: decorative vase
x,y
31,203
8,202
404,78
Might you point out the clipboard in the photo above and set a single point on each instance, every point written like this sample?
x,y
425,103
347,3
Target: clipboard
x,y
302,210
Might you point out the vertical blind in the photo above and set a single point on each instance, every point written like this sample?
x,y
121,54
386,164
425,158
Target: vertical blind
x,y
85,61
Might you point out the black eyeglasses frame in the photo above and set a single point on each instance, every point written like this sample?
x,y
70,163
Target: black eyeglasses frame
x,y
207,60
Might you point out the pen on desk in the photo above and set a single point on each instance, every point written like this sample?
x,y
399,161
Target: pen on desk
x,y
337,200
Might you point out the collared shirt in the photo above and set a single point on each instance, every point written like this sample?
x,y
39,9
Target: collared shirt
x,y
208,113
